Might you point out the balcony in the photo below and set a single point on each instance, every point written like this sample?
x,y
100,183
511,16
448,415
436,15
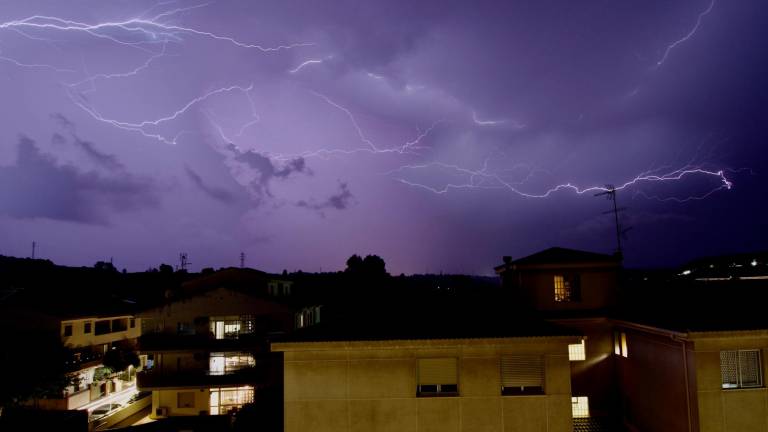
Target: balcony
x,y
155,342
157,379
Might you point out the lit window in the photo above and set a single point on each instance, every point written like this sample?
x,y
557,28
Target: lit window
x,y
620,344
580,406
561,294
67,330
577,352
223,363
567,289
624,351
522,375
437,377
741,369
225,400
231,327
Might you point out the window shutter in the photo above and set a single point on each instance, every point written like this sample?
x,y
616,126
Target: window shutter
x,y
437,371
749,366
729,369
522,371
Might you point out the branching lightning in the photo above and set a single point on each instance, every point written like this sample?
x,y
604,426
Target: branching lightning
x,y
154,35
486,179
689,35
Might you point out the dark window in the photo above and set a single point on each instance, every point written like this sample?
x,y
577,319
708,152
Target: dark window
x,y
68,330
102,327
133,322
120,324
522,375
437,377
87,327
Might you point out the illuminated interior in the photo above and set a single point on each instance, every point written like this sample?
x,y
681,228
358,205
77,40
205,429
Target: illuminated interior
x,y
580,406
222,363
577,352
224,400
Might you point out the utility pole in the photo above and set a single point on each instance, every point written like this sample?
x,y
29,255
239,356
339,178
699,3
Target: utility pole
x,y
34,246
242,259
610,193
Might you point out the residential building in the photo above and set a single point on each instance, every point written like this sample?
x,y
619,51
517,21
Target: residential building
x,y
385,369
207,346
88,330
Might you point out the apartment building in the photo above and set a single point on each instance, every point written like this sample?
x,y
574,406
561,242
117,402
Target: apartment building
x,y
88,330
207,346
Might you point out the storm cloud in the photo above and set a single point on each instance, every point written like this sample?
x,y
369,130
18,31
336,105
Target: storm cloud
x,y
36,186
475,127
217,193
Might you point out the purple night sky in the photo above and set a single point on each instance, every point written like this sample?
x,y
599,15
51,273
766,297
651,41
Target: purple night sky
x,y
432,133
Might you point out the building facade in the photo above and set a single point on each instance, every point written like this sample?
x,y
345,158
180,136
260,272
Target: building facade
x,y
498,384
207,351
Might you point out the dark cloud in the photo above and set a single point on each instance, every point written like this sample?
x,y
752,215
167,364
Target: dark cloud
x,y
39,187
341,200
219,194
102,159
267,170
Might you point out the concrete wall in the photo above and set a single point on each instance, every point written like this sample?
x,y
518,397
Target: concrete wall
x,y
337,387
729,410
656,394
169,399
81,339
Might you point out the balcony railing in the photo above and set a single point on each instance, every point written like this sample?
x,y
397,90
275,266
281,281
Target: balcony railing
x,y
153,379
170,342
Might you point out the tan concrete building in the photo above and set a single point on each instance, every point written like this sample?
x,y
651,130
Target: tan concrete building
x,y
483,384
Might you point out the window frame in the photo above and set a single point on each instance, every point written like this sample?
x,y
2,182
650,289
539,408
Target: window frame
x,y
437,390
530,390
739,378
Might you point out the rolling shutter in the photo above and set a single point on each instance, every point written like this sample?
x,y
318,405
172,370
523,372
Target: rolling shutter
x,y
522,371
437,371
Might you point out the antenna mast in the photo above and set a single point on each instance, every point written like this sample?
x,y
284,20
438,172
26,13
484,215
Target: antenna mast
x,y
610,193
183,261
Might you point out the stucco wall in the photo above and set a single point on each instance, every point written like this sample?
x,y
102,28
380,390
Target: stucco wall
x,y
169,399
729,410
374,389
81,339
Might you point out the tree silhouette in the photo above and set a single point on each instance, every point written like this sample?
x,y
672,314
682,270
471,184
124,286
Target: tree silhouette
x,y
354,264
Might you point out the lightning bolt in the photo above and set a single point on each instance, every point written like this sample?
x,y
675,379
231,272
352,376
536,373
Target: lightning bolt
x,y
485,179
307,63
141,127
479,122
689,35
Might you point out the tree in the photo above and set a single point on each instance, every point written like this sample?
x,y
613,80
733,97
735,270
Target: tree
x,y
35,368
374,266
118,360
354,264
